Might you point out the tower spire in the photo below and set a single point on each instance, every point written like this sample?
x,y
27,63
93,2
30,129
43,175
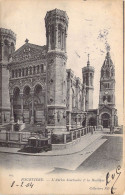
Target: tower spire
x,y
88,62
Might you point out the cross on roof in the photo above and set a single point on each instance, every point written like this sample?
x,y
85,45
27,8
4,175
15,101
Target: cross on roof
x,y
26,41
88,63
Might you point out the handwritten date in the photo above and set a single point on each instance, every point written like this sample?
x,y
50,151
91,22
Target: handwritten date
x,y
22,184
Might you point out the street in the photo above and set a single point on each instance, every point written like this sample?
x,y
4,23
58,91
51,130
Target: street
x,y
108,156
102,154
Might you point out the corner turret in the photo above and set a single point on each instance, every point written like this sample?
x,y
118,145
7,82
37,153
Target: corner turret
x,y
88,76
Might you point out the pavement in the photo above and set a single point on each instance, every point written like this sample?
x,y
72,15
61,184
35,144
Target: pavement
x,y
82,143
58,160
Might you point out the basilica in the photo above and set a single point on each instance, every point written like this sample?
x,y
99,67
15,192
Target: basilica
x,y
37,88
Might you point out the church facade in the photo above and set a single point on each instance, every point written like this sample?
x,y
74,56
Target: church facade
x,y
36,87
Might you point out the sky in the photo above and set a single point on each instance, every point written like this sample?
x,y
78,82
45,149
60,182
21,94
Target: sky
x,y
92,26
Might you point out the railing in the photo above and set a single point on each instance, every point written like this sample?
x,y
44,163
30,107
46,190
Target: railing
x,y
72,135
15,136
22,137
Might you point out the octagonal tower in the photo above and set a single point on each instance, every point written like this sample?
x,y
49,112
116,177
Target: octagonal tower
x,y
88,77
7,47
56,22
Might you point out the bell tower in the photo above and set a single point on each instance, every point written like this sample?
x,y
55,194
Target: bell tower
x,y
88,76
107,83
107,111
7,47
56,23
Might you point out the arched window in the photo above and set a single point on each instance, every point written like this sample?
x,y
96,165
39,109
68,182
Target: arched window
x,y
42,69
11,48
23,72
6,49
19,72
73,99
87,79
84,78
102,73
34,69
91,79
59,36
16,73
30,70
109,98
107,73
39,97
104,98
38,69
16,103
26,71
12,73
26,91
80,102
92,121
52,34
112,72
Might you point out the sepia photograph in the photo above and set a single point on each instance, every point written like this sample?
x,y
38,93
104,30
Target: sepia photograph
x,y
62,97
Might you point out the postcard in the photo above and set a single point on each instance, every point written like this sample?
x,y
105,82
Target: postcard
x,y
62,97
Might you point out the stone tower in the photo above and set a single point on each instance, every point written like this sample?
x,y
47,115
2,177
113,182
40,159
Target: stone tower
x,y
88,76
107,83
7,47
56,23
107,115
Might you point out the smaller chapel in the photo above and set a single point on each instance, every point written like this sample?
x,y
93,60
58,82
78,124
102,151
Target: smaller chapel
x,y
36,88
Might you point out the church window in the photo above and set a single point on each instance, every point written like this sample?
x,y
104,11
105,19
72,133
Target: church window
x,y
12,73
91,79
87,79
109,98
107,73
59,36
107,85
73,98
6,49
84,79
16,73
104,98
19,72
112,72
30,70
42,69
52,34
12,48
26,71
27,90
23,72
38,69
34,68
